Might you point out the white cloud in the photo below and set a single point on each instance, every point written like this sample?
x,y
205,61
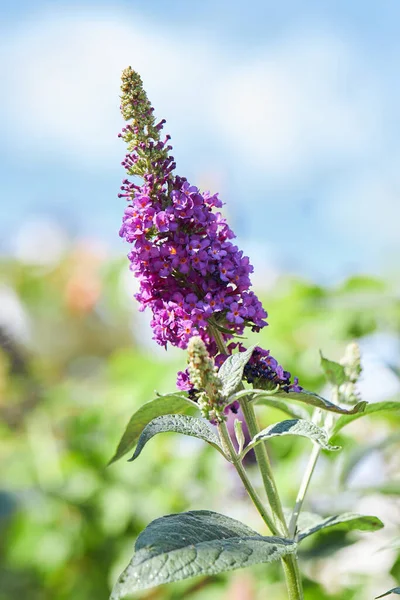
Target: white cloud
x,y
289,110
40,242
366,206
303,103
62,76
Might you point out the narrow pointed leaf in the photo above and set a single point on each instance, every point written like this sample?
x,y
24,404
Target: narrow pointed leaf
x,y
334,372
297,412
239,434
231,371
395,590
320,402
369,410
192,426
162,405
201,542
310,523
299,427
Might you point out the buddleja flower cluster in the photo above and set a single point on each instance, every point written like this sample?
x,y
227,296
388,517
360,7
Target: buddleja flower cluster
x,y
264,372
191,274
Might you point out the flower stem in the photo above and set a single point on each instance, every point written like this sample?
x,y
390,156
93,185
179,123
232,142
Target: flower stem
x,y
219,340
303,489
231,452
305,482
293,577
265,469
289,563
276,522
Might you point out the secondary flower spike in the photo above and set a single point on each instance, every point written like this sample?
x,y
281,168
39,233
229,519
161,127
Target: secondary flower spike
x,y
191,275
204,379
263,371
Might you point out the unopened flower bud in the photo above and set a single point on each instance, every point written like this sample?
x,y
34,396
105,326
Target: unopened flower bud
x,y
204,378
148,154
352,362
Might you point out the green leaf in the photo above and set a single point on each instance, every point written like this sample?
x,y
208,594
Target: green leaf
x,y
162,405
268,400
299,427
192,426
231,371
239,434
310,523
395,590
334,372
369,410
201,542
315,400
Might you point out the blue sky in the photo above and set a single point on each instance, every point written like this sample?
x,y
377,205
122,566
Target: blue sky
x,y
290,110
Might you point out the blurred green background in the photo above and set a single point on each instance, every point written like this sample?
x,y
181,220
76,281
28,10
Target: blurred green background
x,y
76,360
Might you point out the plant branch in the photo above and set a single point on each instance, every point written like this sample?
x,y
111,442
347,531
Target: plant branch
x,y
277,518
231,452
303,489
305,482
289,563
293,577
276,522
219,340
265,469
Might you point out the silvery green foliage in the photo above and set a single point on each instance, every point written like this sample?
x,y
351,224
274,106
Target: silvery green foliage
x,y
334,372
263,398
231,371
368,410
192,426
202,542
299,427
395,590
319,402
161,405
309,523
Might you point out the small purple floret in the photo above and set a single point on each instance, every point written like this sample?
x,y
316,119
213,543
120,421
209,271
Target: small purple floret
x,y
183,382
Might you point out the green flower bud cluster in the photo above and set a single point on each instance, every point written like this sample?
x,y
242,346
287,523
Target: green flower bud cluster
x,y
148,153
351,361
204,378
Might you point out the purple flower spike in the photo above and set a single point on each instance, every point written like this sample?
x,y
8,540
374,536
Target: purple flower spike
x,y
189,270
